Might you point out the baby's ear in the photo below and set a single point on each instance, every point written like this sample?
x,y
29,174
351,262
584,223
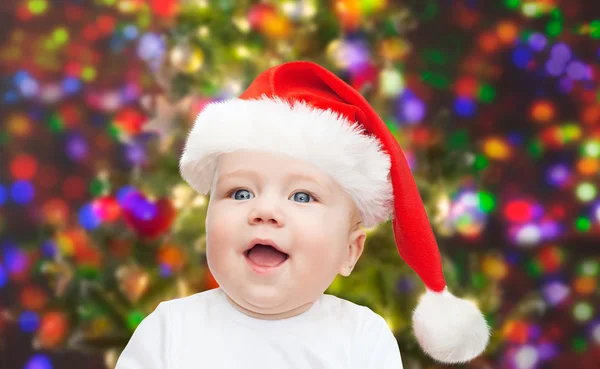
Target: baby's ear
x,y
354,249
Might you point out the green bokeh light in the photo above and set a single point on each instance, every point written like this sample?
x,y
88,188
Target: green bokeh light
x,y
436,79
459,139
512,4
487,93
60,35
595,29
481,162
589,268
37,6
487,202
583,311
592,148
579,344
56,124
134,319
583,224
553,28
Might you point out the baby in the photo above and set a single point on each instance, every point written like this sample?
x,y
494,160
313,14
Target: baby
x,y
296,167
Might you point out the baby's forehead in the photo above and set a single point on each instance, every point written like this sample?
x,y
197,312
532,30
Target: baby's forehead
x,y
258,173
266,164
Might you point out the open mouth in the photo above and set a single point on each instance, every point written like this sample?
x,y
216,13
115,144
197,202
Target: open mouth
x,y
265,256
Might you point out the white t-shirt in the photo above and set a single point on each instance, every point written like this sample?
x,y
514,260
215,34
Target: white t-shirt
x,y
204,331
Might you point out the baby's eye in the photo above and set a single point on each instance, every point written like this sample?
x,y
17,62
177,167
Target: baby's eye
x,y
241,194
302,197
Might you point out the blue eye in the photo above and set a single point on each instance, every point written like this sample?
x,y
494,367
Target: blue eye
x,y
244,195
303,197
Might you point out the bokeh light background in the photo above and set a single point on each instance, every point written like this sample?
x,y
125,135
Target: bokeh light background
x,y
520,80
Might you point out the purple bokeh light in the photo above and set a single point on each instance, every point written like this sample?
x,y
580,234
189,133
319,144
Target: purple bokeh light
x,y
537,41
413,110
555,67
77,148
561,52
558,174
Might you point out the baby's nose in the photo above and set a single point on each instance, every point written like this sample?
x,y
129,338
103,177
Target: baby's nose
x,y
268,216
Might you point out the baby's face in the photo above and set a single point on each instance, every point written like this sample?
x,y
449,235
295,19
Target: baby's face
x,y
303,211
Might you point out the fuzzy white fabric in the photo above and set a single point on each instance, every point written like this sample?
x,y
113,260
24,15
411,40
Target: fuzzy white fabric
x,y
323,138
450,329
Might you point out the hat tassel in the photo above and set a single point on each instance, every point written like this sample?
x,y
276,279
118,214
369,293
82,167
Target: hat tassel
x,y
450,329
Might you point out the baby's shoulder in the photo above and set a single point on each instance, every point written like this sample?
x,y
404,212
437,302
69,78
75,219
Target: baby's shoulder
x,y
361,317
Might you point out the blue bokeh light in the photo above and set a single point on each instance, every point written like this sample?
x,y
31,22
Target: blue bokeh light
x,y
39,361
522,56
88,218
29,321
3,195
22,192
3,276
465,107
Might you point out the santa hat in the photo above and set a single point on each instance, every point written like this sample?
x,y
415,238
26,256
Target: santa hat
x,y
303,110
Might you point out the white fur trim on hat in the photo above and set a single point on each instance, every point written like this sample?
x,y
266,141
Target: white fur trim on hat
x,y
321,137
450,329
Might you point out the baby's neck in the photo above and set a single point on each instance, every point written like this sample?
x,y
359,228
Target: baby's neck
x,y
277,316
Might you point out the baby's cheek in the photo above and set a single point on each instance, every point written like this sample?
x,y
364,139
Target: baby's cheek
x,y
323,252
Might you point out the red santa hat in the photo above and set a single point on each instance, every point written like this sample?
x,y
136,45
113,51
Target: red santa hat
x,y
303,110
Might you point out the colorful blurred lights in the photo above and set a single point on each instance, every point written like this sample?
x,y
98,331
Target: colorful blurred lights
x,y
592,148
77,148
23,166
413,110
29,321
565,84
88,218
15,260
583,311
546,351
71,85
590,268
522,56
520,211
466,215
496,148
586,192
595,333
537,41
577,70
529,235
558,174
123,195
555,68
391,82
37,6
151,46
465,107
49,249
555,292
3,276
3,195
136,155
22,192
542,111
550,230
526,357
561,52
39,361
130,31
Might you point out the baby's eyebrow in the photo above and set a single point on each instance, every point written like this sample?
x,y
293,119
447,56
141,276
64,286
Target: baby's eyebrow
x,y
239,172
291,175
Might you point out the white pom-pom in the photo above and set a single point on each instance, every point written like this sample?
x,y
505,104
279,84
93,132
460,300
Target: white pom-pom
x,y
449,329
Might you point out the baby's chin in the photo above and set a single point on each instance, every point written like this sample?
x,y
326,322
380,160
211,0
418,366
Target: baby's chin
x,y
269,303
